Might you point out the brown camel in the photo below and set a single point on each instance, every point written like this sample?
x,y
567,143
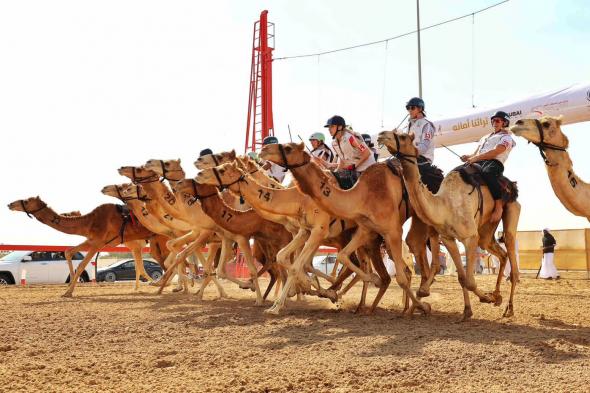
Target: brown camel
x,y
382,216
237,225
546,134
455,213
103,226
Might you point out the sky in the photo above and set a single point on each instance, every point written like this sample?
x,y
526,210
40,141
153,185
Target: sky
x,y
87,87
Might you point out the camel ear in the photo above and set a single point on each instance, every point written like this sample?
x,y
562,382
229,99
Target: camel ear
x,y
179,160
411,135
300,146
559,120
232,154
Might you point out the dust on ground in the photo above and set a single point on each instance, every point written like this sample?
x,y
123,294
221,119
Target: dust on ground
x,y
112,338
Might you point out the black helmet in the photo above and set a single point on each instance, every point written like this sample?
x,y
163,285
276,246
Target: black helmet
x,y
335,121
502,115
415,101
368,140
204,152
269,140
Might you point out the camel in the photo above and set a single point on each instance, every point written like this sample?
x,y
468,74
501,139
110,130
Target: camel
x,y
237,225
161,203
104,226
132,196
190,212
455,213
316,226
546,134
382,215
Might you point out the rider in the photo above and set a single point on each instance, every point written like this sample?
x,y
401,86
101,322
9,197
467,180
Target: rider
x,y
320,149
371,145
354,157
273,170
423,130
491,154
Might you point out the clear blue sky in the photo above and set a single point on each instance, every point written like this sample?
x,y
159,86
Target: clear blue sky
x,y
89,86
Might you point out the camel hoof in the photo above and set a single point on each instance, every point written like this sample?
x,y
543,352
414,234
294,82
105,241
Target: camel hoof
x,y
497,299
67,294
274,310
486,298
259,303
362,310
423,292
426,309
177,289
509,312
332,295
467,314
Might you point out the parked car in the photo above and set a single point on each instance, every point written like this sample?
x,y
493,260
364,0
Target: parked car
x,y
125,270
41,267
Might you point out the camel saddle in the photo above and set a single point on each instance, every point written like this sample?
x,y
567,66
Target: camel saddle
x,y
471,174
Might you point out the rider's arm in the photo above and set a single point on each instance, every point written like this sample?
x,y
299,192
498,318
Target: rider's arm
x,y
489,155
426,139
362,148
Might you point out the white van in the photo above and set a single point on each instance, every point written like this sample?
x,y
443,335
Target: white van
x,y
40,267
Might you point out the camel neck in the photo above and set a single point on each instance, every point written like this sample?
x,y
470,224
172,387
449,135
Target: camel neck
x,y
77,225
422,200
226,217
283,201
160,193
572,191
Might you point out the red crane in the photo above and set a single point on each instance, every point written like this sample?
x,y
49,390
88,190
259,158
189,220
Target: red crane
x,y
260,121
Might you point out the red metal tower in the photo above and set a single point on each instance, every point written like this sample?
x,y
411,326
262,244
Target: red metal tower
x,y
260,122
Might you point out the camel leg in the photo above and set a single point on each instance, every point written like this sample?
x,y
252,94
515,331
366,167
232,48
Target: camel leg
x,y
170,263
488,242
297,242
360,237
172,259
510,219
244,245
74,279
213,248
416,240
135,248
295,269
453,249
470,244
226,251
335,269
393,240
70,253
377,261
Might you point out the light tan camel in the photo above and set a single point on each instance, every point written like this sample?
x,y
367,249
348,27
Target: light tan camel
x,y
132,196
455,213
237,225
161,203
103,226
546,134
382,215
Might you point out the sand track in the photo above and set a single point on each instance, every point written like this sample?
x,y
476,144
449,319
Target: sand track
x,y
110,338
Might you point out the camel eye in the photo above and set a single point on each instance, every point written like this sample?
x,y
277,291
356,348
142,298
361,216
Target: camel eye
x,y
546,124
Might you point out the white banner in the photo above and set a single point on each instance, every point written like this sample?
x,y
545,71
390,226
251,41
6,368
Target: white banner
x,y
573,103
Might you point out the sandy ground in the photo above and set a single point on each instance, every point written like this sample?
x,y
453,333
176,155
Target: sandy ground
x,y
111,338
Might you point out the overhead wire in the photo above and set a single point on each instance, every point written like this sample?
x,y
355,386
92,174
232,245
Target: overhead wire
x,y
472,14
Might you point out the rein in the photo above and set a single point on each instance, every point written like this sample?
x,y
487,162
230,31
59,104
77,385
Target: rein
x,y
29,213
196,195
402,156
542,145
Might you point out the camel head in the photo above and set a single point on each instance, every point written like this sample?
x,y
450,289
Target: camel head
x,y
294,153
168,169
138,175
190,188
211,160
247,164
29,205
115,190
227,174
397,142
547,130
